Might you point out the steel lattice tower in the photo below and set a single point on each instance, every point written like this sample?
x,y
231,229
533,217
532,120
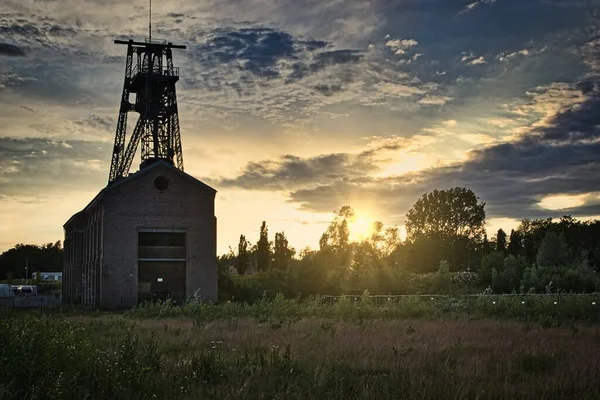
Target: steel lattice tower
x,y
149,73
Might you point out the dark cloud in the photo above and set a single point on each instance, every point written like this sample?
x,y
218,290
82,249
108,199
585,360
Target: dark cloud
x,y
43,165
577,123
98,122
268,53
10,50
290,171
559,158
327,89
24,29
57,30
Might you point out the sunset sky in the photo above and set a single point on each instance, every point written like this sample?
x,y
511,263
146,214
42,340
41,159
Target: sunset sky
x,y
291,108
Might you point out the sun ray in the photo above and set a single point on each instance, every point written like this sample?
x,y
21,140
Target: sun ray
x,y
361,227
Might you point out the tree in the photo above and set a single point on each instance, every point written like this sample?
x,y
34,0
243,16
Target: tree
x,y
447,214
391,240
46,258
486,247
490,263
263,249
553,251
283,253
501,240
515,245
243,257
335,242
533,232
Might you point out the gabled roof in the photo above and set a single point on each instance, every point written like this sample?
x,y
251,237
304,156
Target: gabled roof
x,y
155,164
136,175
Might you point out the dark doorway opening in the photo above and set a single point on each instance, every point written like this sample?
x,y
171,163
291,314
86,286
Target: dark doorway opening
x,y
161,265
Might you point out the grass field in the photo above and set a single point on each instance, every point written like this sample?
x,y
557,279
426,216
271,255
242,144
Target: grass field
x,y
244,357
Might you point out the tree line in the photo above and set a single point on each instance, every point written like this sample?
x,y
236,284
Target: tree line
x,y
446,243
445,235
44,258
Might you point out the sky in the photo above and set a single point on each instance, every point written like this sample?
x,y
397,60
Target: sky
x,y
294,108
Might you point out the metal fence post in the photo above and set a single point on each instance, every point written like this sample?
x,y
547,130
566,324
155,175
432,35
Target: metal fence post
x,y
558,307
496,309
469,305
598,304
526,316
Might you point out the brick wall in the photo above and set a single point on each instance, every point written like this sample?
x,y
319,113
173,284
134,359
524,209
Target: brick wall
x,y
135,204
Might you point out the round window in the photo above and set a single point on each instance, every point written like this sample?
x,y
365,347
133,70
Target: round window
x,y
161,183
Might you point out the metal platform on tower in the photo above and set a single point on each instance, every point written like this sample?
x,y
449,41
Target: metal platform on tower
x,y
151,77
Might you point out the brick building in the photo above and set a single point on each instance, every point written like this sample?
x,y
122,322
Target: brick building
x,y
149,235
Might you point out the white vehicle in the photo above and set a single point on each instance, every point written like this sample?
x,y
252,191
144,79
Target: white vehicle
x,y
25,290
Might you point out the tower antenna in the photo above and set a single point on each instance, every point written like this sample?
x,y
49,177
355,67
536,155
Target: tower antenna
x,y
150,22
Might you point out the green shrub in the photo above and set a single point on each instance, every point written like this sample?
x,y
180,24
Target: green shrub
x,y
489,263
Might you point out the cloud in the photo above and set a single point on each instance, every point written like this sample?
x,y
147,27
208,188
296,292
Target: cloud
x,y
10,50
269,53
504,57
559,157
45,166
476,138
471,6
399,89
451,123
292,172
401,43
477,61
434,100
297,85
500,122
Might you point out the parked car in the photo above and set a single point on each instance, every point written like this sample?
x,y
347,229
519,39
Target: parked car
x,y
25,290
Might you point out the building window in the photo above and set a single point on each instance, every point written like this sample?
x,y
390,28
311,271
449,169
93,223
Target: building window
x,y
161,183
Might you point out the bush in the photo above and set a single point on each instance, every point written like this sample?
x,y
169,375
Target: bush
x,y
507,279
579,279
489,263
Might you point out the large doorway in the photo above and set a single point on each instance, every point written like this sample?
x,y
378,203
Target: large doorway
x,y
161,264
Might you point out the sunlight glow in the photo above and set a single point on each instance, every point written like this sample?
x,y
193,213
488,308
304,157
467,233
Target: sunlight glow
x,y
562,201
409,162
361,227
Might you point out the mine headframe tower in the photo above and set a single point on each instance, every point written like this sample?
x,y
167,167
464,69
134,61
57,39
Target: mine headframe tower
x,y
149,73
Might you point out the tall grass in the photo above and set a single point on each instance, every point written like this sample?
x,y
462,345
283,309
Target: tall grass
x,y
122,358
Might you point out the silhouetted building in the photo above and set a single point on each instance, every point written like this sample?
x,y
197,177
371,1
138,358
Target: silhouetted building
x,y
150,234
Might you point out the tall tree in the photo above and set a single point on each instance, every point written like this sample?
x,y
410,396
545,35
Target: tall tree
x,y
515,245
335,242
553,251
486,247
263,249
283,253
501,240
445,225
447,213
243,257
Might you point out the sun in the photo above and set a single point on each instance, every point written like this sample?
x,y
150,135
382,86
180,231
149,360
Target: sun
x,y
360,227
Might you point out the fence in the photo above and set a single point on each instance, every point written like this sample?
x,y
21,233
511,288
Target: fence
x,y
520,306
31,301
524,306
